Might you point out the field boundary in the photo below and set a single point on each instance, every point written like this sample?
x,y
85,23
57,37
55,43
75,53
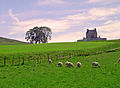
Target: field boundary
x,y
17,61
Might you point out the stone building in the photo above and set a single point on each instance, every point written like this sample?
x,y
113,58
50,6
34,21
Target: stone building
x,y
92,35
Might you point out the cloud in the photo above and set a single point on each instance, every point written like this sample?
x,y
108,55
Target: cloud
x,y
110,30
99,12
2,22
49,2
95,1
55,25
101,1
71,22
11,33
68,37
10,12
108,22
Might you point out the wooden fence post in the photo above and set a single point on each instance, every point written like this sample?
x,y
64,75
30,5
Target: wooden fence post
x,y
69,55
4,61
23,61
48,57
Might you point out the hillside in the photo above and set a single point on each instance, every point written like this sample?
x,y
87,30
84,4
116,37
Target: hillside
x,y
6,41
51,47
28,64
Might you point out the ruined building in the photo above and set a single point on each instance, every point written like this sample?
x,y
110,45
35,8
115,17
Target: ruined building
x,y
92,35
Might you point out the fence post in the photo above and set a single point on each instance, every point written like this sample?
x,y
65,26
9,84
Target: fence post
x,y
4,61
23,61
69,55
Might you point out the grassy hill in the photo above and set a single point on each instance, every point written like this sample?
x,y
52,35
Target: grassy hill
x,y
6,41
36,72
44,75
50,47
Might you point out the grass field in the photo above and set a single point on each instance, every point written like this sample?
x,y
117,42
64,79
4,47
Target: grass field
x,y
44,75
35,48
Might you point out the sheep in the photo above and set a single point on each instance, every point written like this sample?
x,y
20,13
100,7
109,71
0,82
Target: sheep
x,y
66,63
69,64
95,64
118,60
60,64
50,61
79,64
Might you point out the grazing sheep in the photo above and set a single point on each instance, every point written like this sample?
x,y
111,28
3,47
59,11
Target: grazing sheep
x,y
118,60
66,63
95,64
79,64
60,64
70,64
50,61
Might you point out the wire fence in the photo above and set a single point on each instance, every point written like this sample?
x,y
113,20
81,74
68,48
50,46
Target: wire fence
x,y
21,60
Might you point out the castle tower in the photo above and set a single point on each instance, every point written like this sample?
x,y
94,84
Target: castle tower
x,y
91,34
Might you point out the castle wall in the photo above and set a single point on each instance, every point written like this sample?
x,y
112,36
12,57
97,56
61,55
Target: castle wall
x,y
91,34
92,39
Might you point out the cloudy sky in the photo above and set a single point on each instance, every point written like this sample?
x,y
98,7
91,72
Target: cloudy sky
x,y
68,19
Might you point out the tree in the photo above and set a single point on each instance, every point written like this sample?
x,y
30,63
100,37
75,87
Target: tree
x,y
38,35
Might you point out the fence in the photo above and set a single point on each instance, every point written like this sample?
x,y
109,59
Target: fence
x,y
39,58
21,60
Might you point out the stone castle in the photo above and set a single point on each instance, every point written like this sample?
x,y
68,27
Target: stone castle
x,y
92,35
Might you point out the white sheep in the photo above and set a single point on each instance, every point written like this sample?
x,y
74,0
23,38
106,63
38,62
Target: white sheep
x,y
79,64
118,60
66,63
50,61
60,64
70,64
95,64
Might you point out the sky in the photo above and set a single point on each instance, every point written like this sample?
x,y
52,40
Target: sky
x,y
68,19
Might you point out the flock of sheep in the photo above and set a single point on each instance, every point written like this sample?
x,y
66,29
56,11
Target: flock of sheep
x,y
70,64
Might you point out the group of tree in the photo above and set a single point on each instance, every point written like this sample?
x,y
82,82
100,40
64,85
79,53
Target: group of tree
x,y
38,35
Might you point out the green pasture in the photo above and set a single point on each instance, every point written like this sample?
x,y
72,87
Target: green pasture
x,y
44,75
39,52
35,48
